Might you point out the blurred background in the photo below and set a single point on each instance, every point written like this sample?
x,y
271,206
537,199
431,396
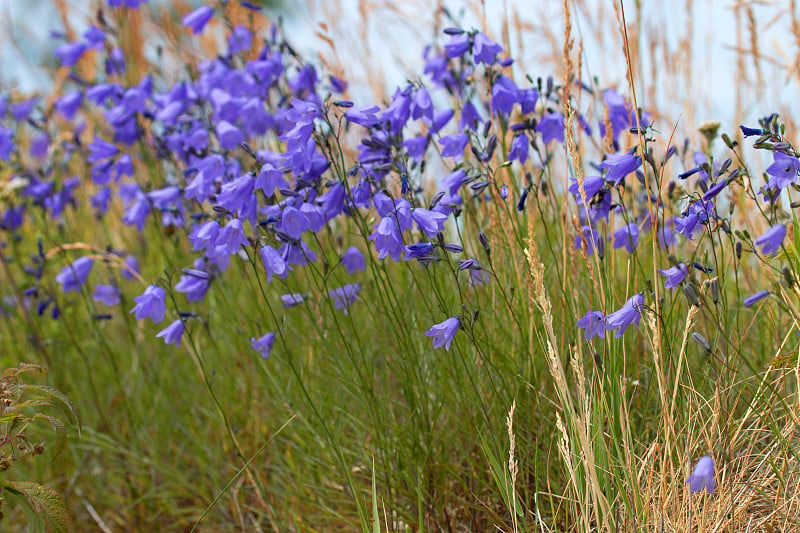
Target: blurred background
x,y
697,60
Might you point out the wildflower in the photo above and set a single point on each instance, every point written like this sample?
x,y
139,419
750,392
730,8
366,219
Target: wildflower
x,y
591,186
484,50
274,262
292,299
239,40
131,269
627,236
772,239
69,53
675,275
197,19
750,300
68,104
470,118
345,296
108,294
263,344
421,105
618,112
444,332
594,324
294,223
783,171
715,189
619,166
591,237
703,476
630,313
519,149
150,304
457,46
353,260
73,276
453,145
421,251
172,334
504,95
429,222
6,143
551,127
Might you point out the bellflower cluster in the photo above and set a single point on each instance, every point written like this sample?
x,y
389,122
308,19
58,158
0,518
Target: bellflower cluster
x,y
240,164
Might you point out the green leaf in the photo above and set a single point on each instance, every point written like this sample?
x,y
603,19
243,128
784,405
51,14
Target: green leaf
x,y
376,518
57,398
48,502
36,521
58,428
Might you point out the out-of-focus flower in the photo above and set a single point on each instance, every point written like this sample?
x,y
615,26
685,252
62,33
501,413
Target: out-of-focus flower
x,y
263,344
150,304
73,276
752,299
197,19
772,239
703,476
172,334
108,294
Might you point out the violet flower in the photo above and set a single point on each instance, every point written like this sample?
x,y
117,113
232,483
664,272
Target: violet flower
x,y
444,332
73,276
772,239
263,344
629,314
593,323
197,19
703,476
172,334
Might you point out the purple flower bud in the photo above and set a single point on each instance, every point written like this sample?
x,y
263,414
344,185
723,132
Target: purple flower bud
x,y
750,300
197,19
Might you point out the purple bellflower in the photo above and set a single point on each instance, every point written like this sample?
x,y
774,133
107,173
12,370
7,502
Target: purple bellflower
x,y
263,344
150,304
197,19
444,332
627,237
345,296
629,313
172,334
73,276
619,166
108,294
353,260
703,476
783,171
675,275
593,323
772,239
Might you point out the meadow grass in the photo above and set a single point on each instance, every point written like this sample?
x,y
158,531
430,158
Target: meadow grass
x,y
355,421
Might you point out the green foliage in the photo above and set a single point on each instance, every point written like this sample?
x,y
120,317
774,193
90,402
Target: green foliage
x,y
23,405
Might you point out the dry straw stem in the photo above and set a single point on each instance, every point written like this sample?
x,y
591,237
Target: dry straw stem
x,y
590,498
